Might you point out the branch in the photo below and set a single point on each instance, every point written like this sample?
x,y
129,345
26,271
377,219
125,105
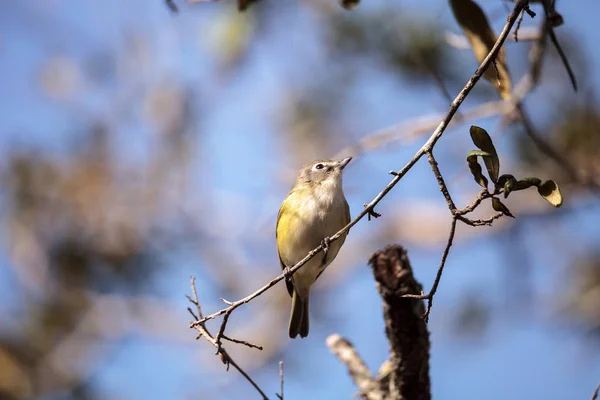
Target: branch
x,y
280,395
347,354
404,326
596,393
203,332
456,216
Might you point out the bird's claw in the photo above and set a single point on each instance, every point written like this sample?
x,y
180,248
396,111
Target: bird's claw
x,y
325,245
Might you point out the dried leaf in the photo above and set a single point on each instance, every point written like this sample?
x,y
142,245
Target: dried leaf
x,y
482,38
499,206
483,141
550,191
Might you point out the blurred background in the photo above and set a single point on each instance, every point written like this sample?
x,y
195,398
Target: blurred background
x,y
139,147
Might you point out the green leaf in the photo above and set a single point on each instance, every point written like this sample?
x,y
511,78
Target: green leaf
x,y
550,191
499,206
483,141
526,183
476,168
507,182
473,154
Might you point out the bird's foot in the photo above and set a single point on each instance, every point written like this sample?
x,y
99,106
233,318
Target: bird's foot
x,y
325,244
287,275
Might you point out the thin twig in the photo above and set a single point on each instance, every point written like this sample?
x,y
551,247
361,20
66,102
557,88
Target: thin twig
x,y
203,331
438,276
516,33
483,194
441,183
280,395
596,393
245,343
480,222
558,47
222,330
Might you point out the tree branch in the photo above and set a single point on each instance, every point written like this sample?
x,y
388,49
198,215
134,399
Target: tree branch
x,y
203,332
596,393
347,354
280,395
404,326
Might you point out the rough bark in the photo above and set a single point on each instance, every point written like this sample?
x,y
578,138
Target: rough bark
x,y
405,376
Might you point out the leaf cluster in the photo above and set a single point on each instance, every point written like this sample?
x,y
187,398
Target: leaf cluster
x,y
506,183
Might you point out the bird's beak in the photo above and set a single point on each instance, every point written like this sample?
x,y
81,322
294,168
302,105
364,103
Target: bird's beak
x,y
342,163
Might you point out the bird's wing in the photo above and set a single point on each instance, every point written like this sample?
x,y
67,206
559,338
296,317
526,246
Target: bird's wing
x,y
347,213
288,282
347,220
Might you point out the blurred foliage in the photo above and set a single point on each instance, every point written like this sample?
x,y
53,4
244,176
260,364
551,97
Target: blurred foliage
x,y
575,130
411,47
582,296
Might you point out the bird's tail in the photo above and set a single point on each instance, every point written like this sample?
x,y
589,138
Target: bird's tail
x,y
299,316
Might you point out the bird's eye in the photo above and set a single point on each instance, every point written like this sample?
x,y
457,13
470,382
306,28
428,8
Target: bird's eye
x,y
319,166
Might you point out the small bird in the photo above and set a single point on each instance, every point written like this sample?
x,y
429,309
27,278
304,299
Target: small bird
x,y
314,210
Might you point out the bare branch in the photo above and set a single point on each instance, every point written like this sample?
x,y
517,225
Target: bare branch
x,y
480,222
596,393
280,395
245,343
438,276
441,183
404,326
347,354
562,54
225,357
456,215
483,194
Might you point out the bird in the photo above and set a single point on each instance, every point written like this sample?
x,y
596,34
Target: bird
x,y
314,210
